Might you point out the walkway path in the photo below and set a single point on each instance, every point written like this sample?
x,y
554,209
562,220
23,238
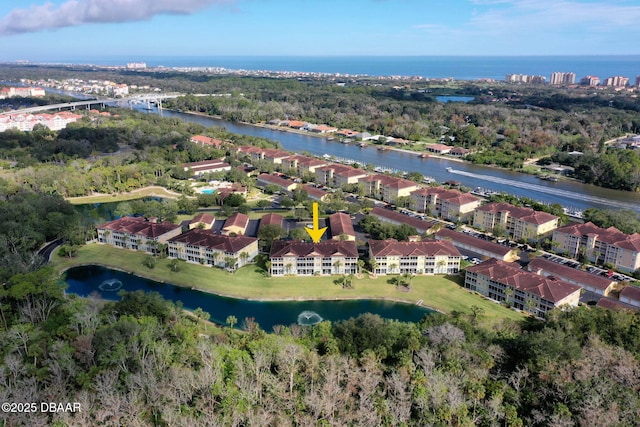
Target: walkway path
x,y
150,191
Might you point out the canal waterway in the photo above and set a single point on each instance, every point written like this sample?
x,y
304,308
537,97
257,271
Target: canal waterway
x,y
105,283
569,194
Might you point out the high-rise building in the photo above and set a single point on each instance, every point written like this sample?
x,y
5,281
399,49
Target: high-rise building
x,y
616,81
559,78
590,81
637,84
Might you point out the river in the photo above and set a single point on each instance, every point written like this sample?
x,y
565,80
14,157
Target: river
x,y
570,194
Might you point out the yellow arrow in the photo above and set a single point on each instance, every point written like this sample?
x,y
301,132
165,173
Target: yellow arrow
x,y
315,232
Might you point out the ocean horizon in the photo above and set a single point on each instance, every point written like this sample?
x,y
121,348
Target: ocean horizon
x,y
456,67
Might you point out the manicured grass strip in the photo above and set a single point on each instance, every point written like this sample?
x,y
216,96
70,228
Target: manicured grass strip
x,y
153,191
442,293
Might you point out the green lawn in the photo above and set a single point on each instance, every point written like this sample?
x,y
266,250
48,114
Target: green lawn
x,y
442,293
153,191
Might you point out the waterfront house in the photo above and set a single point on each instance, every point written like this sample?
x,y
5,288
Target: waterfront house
x,y
209,248
452,205
439,148
423,257
297,258
236,224
504,282
137,233
478,247
599,245
341,227
519,223
590,282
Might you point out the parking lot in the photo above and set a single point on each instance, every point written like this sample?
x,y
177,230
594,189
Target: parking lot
x,y
591,269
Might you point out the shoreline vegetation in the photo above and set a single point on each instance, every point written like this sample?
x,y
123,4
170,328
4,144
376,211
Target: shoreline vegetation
x,y
439,293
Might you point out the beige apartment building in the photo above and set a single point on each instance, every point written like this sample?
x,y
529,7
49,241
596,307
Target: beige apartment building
x,y
137,233
424,257
452,205
518,223
210,248
297,258
599,245
505,282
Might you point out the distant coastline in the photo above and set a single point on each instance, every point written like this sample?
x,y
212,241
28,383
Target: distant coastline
x,y
434,67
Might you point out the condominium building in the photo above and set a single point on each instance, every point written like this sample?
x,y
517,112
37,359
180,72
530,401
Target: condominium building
x,y
387,188
505,282
298,258
439,202
337,176
424,257
616,81
396,218
301,165
590,81
137,233
210,248
236,224
590,282
206,166
559,78
599,245
470,245
519,223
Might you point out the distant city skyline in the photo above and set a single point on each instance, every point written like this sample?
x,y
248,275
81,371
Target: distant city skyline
x,y
59,30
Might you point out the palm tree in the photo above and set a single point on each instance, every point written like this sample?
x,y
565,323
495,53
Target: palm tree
x,y
243,257
392,267
374,265
508,293
336,266
531,305
232,321
360,265
441,264
288,267
215,256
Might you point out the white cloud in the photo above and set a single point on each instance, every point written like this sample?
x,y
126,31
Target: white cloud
x,y
78,12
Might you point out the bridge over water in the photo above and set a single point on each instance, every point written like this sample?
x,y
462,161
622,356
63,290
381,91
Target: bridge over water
x,y
144,98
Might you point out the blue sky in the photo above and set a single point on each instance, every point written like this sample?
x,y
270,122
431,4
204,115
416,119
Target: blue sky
x,y
58,30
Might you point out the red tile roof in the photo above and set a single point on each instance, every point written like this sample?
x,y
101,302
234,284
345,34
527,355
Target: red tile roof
x,y
453,197
471,241
428,248
237,220
612,304
393,216
139,226
213,240
340,223
563,272
506,273
325,249
524,214
632,292
271,218
274,179
204,218
611,235
202,139
314,192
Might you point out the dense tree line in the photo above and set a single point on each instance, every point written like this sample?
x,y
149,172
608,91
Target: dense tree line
x,y
106,155
143,361
625,220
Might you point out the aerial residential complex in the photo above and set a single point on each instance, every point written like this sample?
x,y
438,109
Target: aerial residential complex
x,y
517,222
423,257
210,248
313,259
600,245
504,282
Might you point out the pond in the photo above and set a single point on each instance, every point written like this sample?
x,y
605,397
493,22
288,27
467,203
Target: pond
x,y
105,283
454,98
